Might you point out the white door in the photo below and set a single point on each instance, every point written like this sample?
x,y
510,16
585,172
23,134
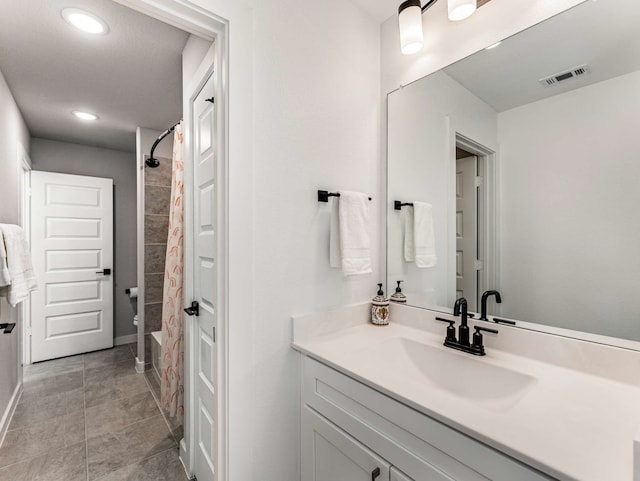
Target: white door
x,y
467,231
205,240
329,454
72,249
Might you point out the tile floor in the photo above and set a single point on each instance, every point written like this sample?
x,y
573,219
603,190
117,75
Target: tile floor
x,y
91,418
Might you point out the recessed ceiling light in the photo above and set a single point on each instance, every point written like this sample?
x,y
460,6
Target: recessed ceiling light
x,y
84,115
497,44
85,21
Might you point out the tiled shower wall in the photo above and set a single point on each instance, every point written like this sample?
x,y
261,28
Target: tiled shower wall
x,y
157,197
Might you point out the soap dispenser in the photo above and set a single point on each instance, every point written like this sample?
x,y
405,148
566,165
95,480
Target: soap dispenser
x,y
380,309
398,296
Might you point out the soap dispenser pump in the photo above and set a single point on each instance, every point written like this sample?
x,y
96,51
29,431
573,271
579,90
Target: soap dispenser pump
x,y
398,296
380,309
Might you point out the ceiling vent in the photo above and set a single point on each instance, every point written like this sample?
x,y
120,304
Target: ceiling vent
x,y
562,76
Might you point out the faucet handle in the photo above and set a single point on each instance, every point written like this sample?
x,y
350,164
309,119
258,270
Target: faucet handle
x,y
478,345
451,331
485,329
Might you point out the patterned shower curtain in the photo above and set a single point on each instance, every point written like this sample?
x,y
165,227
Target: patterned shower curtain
x,y
172,389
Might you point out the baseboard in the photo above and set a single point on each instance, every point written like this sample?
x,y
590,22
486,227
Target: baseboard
x,y
183,456
119,341
139,366
8,413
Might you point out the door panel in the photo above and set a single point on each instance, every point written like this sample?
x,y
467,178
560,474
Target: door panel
x,y
72,241
204,275
466,231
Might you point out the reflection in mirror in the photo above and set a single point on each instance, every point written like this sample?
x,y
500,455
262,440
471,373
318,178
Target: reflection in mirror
x,y
526,158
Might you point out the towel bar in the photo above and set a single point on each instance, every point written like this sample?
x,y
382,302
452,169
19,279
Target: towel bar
x,y
323,195
397,205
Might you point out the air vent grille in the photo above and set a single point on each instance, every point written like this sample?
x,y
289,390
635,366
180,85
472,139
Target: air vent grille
x,y
566,75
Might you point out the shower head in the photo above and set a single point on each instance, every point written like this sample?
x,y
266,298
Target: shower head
x,y
153,163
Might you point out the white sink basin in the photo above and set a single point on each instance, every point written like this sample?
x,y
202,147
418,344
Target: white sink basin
x,y
459,374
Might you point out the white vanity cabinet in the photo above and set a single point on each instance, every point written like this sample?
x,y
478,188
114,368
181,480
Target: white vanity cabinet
x,y
349,429
329,454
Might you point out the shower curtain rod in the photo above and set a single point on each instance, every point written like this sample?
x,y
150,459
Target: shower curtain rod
x,y
152,161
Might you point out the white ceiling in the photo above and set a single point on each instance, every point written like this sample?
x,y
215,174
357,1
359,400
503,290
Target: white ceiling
x,y
603,34
379,10
130,77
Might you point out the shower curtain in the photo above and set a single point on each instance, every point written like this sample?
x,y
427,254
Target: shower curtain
x,y
172,388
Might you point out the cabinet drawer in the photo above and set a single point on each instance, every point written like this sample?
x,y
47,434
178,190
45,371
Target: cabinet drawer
x,y
404,437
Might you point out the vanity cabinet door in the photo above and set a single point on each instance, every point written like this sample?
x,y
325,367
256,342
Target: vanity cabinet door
x,y
329,454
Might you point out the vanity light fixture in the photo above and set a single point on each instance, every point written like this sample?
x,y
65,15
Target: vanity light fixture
x,y
84,115
410,20
85,21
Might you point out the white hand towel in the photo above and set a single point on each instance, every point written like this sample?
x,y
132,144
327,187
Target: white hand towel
x,y
5,277
23,279
349,243
423,235
335,259
409,240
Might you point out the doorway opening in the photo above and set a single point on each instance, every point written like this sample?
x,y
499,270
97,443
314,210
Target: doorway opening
x,y
474,220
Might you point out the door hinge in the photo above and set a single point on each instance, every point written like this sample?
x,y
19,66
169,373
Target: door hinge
x,y
28,331
478,181
479,265
214,333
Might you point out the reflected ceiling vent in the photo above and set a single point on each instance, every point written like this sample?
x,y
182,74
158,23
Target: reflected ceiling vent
x,y
562,76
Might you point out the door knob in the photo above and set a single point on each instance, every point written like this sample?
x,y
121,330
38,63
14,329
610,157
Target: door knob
x,y
104,272
375,473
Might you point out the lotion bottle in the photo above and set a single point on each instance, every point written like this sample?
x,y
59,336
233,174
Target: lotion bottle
x,y
380,309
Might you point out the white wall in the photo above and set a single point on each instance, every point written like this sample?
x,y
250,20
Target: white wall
x,y
12,132
192,56
421,159
570,172
446,42
313,105
68,158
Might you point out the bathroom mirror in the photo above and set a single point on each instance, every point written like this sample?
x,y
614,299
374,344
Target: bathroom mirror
x,y
528,156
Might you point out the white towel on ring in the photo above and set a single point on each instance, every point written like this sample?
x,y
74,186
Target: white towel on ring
x,y
18,263
349,243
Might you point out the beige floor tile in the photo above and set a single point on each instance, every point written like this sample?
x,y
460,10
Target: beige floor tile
x,y
97,392
130,445
162,467
108,356
36,409
111,416
110,371
62,464
41,438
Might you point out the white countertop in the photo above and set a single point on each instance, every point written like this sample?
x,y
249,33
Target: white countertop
x,y
571,424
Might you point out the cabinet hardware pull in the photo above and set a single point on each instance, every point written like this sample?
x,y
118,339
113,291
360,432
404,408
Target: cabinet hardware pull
x,y
375,473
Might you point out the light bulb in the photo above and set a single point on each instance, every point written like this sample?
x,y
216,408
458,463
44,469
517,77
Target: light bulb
x,y
410,23
85,21
461,9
